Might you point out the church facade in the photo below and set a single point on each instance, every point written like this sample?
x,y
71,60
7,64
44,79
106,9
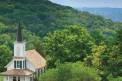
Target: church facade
x,y
25,65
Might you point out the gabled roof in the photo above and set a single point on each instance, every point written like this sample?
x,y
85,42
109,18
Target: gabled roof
x,y
35,58
17,72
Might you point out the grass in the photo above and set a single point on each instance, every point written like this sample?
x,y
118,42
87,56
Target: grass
x,y
1,78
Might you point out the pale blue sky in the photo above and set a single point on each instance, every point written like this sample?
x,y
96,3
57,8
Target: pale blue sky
x,y
90,3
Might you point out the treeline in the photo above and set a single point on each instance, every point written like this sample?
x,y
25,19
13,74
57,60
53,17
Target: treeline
x,y
42,16
76,43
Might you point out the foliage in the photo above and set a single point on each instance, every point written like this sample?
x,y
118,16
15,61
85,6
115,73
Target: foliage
x,y
67,45
116,56
98,35
100,56
71,72
119,39
99,59
42,16
1,78
107,59
5,56
114,79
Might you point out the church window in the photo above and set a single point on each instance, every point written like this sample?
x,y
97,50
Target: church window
x,y
21,64
18,64
14,64
24,64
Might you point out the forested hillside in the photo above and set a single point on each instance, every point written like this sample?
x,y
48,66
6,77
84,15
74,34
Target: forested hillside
x,y
62,35
42,16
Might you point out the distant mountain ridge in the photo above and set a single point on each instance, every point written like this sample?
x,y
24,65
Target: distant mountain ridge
x,y
114,14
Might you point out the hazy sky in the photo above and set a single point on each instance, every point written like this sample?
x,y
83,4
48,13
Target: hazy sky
x,y
90,3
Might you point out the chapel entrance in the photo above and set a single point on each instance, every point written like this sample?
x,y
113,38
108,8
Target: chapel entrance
x,y
16,78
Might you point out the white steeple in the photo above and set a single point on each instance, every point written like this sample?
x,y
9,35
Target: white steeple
x,y
19,45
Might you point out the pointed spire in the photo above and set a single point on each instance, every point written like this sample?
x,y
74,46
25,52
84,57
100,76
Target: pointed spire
x,y
19,37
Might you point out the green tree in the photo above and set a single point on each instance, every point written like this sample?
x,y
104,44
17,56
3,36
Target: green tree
x,y
67,45
6,40
71,72
116,56
111,78
100,60
5,56
98,35
119,40
2,27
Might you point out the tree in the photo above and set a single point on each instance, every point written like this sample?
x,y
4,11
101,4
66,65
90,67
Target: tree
x,y
2,27
111,78
98,35
100,60
70,72
67,45
116,56
5,56
119,40
6,40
